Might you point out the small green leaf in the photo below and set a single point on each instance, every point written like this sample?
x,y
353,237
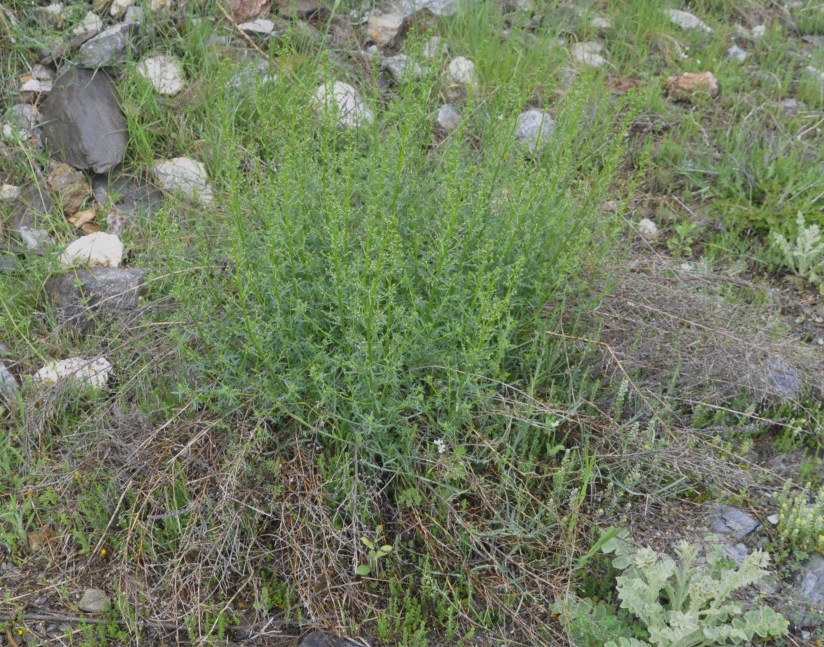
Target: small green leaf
x,y
367,543
363,570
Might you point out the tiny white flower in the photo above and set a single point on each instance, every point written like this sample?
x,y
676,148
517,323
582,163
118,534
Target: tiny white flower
x,y
440,443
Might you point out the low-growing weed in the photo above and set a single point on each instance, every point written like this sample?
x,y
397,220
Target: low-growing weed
x,y
804,256
688,602
801,521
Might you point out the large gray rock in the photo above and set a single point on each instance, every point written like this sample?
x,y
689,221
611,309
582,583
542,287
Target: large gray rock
x,y
8,384
83,124
732,522
132,196
30,217
448,119
93,601
109,47
81,298
807,606
23,122
325,639
783,379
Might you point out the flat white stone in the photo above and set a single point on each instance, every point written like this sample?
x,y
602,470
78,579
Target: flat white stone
x,y
385,29
164,72
599,22
588,54
461,70
99,249
759,30
94,373
186,176
258,26
448,118
686,20
345,101
9,191
36,86
89,26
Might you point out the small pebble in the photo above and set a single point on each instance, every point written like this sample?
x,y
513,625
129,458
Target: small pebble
x,y
448,118
736,53
461,70
648,229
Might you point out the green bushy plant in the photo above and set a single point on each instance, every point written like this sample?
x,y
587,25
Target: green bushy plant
x,y
687,603
375,288
801,520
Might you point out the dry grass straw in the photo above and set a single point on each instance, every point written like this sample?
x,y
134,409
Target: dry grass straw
x,y
701,337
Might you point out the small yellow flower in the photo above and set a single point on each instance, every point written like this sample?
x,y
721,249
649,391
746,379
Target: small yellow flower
x,y
103,552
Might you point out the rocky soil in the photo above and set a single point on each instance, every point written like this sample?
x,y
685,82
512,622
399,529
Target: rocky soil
x,y
83,196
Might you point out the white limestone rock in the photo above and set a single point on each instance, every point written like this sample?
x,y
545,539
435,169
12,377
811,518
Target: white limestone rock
x,y
99,249
534,127
165,73
186,176
588,54
686,20
259,26
345,102
386,30
9,192
648,230
461,71
118,8
93,373
90,25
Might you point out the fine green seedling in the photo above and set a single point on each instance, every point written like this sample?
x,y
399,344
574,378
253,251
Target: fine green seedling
x,y
375,553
